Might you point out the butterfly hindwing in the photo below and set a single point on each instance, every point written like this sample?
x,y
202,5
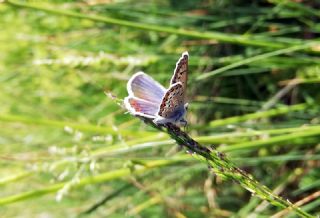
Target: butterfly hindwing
x,y
137,106
180,73
144,87
172,102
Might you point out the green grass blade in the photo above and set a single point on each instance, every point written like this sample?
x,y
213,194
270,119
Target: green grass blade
x,y
230,38
258,115
254,59
104,177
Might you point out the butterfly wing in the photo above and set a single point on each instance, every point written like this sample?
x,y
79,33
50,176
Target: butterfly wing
x,y
141,107
150,99
172,106
144,87
180,73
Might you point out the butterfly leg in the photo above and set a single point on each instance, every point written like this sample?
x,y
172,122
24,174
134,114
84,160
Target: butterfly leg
x,y
183,122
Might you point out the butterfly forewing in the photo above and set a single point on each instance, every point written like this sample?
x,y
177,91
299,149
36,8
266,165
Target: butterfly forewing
x,y
172,101
144,87
180,73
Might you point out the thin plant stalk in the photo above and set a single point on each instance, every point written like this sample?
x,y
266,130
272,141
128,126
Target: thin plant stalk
x,y
225,168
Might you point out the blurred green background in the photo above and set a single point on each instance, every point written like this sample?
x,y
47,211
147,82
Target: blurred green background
x,y
69,150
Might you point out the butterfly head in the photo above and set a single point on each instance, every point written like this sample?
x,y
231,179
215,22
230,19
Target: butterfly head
x,y
186,106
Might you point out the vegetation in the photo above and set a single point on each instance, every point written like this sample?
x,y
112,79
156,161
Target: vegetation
x,y
69,149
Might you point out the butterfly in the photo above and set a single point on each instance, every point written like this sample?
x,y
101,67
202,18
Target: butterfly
x,y
148,98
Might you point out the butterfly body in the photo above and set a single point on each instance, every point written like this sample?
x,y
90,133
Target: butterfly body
x,y
176,117
148,98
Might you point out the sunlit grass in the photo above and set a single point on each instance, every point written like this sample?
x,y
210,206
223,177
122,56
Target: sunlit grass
x,y
253,92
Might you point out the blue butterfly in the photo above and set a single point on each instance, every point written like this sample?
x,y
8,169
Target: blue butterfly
x,y
148,98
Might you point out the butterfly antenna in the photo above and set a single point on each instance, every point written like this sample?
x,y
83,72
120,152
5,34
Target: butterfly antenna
x,y
113,97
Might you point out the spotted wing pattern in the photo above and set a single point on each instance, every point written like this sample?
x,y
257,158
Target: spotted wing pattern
x,y
144,87
172,101
141,107
180,73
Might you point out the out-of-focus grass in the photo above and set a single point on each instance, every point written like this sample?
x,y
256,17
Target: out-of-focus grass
x,y
62,140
